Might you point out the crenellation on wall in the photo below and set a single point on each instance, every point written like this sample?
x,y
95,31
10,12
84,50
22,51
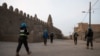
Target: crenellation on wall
x,y
16,10
4,5
21,13
11,8
31,17
11,19
25,15
35,16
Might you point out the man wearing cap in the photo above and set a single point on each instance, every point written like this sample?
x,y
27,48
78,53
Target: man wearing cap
x,y
23,39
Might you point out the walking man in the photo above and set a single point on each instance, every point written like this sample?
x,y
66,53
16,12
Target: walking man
x,y
89,37
75,38
51,37
23,39
45,36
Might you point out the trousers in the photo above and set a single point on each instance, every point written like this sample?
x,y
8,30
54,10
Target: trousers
x,y
20,42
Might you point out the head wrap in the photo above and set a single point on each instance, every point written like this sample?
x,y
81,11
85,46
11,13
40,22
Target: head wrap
x,y
23,25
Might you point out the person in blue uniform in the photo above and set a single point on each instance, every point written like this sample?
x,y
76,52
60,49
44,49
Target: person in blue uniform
x,y
45,36
23,39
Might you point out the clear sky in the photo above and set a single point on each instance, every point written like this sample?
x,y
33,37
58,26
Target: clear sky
x,y
65,13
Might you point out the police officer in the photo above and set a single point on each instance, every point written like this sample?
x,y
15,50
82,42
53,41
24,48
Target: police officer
x,y
45,36
89,37
23,39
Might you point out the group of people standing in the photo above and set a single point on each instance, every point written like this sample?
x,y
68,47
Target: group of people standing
x,y
88,37
23,38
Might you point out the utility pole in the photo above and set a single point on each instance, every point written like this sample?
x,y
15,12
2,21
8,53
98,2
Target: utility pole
x,y
90,14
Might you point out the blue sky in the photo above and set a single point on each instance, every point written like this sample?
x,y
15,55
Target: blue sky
x,y
65,13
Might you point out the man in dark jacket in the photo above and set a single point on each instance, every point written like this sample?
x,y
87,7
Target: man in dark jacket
x,y
51,37
75,38
89,37
23,39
